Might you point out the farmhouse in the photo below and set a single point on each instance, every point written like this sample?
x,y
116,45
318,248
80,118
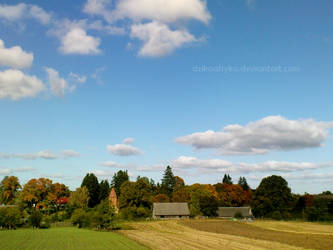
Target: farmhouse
x,y
171,210
229,212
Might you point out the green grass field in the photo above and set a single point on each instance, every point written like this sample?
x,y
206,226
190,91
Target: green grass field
x,y
64,238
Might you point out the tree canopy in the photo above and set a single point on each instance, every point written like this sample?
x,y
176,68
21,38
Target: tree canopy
x,y
118,179
91,182
272,197
168,182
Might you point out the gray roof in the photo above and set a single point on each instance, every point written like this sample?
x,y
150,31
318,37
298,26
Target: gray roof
x,y
230,211
171,209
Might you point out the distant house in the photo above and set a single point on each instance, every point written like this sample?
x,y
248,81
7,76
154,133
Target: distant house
x,y
171,210
229,212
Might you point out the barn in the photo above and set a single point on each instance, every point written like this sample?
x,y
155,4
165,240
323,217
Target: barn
x,y
174,210
229,212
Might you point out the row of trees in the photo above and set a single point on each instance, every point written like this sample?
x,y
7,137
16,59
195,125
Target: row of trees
x,y
89,204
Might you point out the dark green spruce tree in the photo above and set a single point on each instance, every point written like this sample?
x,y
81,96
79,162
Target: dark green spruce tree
x,y
104,190
90,181
118,179
243,183
227,179
168,182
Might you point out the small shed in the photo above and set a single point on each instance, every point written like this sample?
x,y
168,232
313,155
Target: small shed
x,y
229,212
174,210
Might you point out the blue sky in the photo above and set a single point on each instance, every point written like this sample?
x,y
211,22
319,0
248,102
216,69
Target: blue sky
x,y
77,79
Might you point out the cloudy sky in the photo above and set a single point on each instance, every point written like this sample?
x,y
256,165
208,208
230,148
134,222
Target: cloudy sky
x,y
209,87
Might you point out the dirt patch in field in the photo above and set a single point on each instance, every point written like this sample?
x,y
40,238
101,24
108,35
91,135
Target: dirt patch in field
x,y
304,240
174,235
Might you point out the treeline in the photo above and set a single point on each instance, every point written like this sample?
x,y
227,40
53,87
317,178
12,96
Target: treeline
x,y
41,202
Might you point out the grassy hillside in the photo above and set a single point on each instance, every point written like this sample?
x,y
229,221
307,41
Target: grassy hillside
x,y
64,238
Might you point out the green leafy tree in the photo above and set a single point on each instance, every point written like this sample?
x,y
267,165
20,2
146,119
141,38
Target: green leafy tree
x,y
272,197
79,218
118,179
35,218
227,179
135,198
91,182
168,182
79,198
208,205
104,190
243,183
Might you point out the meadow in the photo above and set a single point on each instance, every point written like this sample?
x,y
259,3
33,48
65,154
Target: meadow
x,y
178,234
64,238
225,234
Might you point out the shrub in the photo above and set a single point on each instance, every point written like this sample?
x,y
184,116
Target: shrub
x,y
80,218
10,217
35,218
276,215
238,215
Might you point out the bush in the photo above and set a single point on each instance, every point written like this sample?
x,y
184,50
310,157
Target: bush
x,y
10,217
276,215
238,215
35,218
80,218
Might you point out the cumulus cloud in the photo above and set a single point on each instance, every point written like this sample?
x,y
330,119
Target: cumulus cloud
x,y
15,85
158,39
7,171
103,173
15,57
77,41
123,150
223,166
58,85
23,11
160,10
108,164
152,21
70,153
128,140
261,137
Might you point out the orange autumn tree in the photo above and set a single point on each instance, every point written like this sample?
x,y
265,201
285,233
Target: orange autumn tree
x,y
232,195
161,198
41,193
9,187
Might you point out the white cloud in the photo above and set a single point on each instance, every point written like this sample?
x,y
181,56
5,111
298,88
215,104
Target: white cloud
x,y
45,154
12,12
99,8
108,164
15,57
128,140
5,171
158,39
58,85
22,11
69,153
77,78
123,150
260,137
103,173
15,85
39,14
77,41
166,11
223,166
152,168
